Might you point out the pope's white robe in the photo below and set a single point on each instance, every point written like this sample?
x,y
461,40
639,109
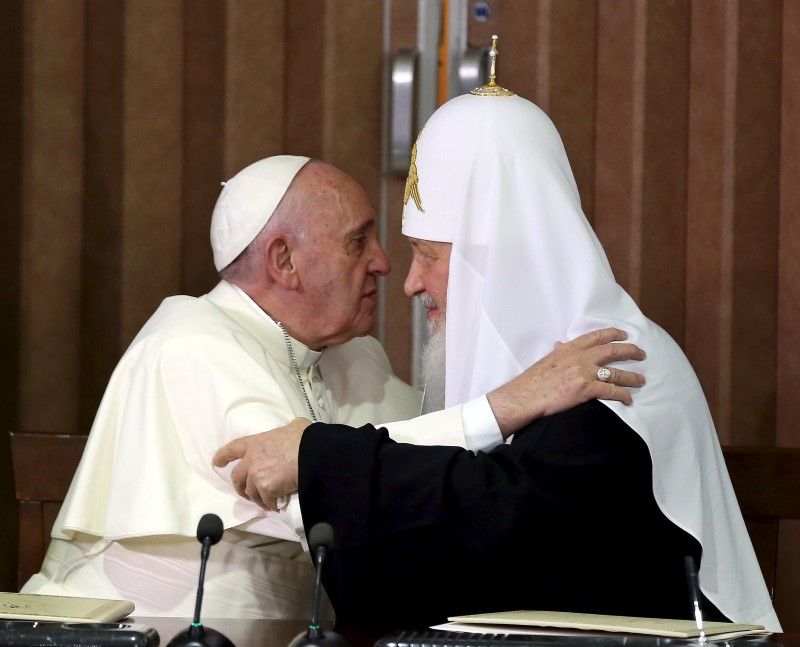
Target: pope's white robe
x,y
202,372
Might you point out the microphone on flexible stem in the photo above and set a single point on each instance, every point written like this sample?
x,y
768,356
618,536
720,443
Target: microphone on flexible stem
x,y
320,541
209,532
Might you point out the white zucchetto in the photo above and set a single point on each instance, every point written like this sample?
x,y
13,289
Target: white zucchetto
x,y
247,202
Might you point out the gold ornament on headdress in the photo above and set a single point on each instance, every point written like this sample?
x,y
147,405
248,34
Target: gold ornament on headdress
x,y
412,183
491,89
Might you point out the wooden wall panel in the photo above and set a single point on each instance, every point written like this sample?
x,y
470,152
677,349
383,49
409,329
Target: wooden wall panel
x,y
620,136
351,115
11,129
642,97
305,76
254,82
732,208
334,67
52,214
710,181
571,29
664,145
755,242
524,48
788,342
203,137
548,55
153,159
101,344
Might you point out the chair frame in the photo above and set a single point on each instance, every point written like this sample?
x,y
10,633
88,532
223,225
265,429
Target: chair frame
x,y
43,464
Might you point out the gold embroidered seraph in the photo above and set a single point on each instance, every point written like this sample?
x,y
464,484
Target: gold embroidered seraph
x,y
412,183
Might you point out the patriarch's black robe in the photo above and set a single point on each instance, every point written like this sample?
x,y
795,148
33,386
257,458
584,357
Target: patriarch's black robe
x,y
563,518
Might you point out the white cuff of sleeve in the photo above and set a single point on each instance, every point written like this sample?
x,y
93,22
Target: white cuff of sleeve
x,y
481,430
296,519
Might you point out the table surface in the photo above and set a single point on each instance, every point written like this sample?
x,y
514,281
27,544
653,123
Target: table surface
x,y
279,633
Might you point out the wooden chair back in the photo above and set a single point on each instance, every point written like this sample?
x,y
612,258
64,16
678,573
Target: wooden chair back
x,y
767,484
43,464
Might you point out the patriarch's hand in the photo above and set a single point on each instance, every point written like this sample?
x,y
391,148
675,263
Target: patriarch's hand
x,y
566,378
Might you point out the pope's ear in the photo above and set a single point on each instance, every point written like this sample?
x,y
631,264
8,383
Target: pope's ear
x,y
280,264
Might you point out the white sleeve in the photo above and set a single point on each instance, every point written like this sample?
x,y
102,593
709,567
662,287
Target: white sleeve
x,y
471,426
438,428
295,519
480,426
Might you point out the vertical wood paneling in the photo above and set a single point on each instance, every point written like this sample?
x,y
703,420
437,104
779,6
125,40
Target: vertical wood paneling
x,y
352,91
153,157
52,215
663,200
254,82
305,51
756,211
572,88
619,136
642,91
203,137
710,177
788,342
524,49
11,127
101,344
548,55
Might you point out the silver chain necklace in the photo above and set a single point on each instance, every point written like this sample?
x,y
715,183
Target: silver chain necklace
x,y
296,368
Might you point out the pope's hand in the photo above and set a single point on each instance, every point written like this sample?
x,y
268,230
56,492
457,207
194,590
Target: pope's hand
x,y
268,467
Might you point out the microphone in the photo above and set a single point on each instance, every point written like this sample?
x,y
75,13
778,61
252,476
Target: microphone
x,y
209,532
320,541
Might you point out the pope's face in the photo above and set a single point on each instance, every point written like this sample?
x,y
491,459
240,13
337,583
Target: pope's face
x,y
343,259
427,277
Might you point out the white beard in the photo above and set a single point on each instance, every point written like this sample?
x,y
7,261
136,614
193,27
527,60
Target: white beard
x,y
433,369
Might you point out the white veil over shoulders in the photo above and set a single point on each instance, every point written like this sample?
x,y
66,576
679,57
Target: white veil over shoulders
x,y
490,175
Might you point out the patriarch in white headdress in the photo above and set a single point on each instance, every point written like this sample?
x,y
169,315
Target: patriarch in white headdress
x,y
491,176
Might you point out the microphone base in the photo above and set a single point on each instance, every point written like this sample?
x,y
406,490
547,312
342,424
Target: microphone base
x,y
200,637
319,638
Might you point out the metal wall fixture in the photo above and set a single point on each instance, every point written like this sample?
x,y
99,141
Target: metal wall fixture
x,y
473,71
404,110
413,96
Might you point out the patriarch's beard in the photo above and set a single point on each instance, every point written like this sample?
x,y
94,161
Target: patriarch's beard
x,y
433,367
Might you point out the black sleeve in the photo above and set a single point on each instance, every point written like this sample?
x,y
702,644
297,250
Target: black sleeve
x,y
561,518
349,478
